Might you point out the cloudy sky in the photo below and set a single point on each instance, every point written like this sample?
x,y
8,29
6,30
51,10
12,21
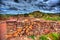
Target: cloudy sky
x,y
27,6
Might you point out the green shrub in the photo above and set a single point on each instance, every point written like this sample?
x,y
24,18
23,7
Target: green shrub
x,y
32,36
43,37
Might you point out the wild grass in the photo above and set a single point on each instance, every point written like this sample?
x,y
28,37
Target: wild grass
x,y
50,36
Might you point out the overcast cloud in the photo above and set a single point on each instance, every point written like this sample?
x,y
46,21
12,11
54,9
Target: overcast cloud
x,y
27,6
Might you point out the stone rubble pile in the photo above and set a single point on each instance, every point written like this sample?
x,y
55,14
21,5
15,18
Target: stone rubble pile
x,y
31,27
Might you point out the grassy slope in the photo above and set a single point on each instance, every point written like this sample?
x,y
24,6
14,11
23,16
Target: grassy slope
x,y
37,14
54,17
